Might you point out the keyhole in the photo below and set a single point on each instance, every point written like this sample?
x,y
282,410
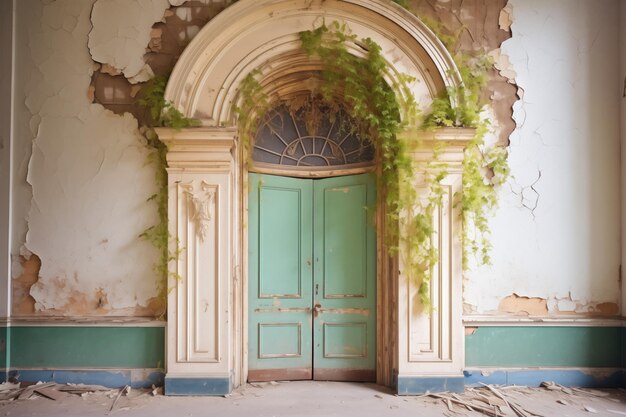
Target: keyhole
x,y
317,286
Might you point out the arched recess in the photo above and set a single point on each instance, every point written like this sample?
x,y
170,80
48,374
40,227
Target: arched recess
x,y
206,342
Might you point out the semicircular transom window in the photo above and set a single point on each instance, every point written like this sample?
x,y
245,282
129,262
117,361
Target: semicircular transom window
x,y
310,140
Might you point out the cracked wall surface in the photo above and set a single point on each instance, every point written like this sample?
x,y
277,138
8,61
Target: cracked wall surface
x,y
88,174
556,235
81,174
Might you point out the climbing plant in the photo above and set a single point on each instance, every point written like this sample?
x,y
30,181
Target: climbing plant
x,y
388,116
483,167
161,113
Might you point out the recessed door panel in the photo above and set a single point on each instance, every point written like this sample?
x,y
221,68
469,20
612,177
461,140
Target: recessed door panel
x,y
280,241
343,221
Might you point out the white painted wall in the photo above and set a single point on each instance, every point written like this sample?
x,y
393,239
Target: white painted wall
x,y
566,55
81,196
622,49
88,171
6,73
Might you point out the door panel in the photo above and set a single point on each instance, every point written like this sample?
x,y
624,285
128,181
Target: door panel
x,y
344,278
312,243
280,278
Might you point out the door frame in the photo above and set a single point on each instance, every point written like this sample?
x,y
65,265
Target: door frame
x,y
385,287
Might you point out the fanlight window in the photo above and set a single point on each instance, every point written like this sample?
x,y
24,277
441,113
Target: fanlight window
x,y
288,139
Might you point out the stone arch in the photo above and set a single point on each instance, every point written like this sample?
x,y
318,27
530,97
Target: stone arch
x,y
263,35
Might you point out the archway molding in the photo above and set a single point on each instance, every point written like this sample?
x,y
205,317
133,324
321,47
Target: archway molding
x,y
207,304
263,35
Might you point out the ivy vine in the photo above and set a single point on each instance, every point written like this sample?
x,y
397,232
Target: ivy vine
x,y
389,117
384,115
484,167
161,113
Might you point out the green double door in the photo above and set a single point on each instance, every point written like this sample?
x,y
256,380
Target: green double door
x,y
312,278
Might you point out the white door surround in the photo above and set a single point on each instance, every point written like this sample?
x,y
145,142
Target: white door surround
x,y
207,323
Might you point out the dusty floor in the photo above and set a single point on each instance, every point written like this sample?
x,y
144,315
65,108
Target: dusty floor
x,y
326,399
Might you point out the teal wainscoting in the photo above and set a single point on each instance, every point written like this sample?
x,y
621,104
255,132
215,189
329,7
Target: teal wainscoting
x,y
111,356
528,355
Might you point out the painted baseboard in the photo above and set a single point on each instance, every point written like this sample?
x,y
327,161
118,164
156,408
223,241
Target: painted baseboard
x,y
112,378
195,386
583,377
415,385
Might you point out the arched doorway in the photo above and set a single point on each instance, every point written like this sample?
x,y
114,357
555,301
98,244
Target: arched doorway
x,y
311,247
208,348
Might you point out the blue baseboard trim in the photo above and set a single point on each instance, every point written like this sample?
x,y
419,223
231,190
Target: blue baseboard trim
x,y
136,378
189,386
415,385
592,378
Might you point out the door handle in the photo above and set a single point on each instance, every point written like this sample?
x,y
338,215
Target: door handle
x,y
317,309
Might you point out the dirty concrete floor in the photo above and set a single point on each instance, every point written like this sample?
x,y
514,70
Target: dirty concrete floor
x,y
311,398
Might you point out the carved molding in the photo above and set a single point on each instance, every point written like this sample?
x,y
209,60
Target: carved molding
x,y
203,206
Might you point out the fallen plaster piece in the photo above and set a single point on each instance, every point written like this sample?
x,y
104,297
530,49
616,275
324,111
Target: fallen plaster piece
x,y
121,31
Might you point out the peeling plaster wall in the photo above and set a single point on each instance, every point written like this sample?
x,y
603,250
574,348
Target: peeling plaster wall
x,y
88,173
6,73
121,32
623,141
556,235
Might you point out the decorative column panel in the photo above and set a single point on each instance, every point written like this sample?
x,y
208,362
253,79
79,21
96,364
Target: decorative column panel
x,y
430,343
201,196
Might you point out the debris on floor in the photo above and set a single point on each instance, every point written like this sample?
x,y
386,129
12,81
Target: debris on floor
x,y
285,399
53,391
508,400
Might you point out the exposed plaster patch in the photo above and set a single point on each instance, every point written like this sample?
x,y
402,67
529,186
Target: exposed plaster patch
x,y
166,40
554,306
23,302
606,309
123,32
120,33
503,65
476,25
514,304
506,19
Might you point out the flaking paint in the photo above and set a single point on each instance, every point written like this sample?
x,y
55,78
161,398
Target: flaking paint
x,y
556,234
89,179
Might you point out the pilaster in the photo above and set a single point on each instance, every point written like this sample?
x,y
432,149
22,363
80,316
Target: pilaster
x,y
201,201
430,343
